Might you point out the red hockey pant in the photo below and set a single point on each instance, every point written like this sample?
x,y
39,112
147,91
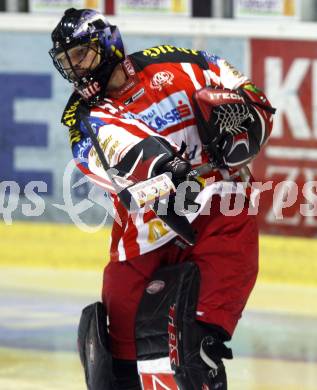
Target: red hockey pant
x,y
226,253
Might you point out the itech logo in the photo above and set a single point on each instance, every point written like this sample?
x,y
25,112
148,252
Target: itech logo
x,y
168,112
225,96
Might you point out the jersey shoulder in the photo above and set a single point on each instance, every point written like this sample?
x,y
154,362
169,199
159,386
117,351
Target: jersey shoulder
x,y
167,53
71,119
70,113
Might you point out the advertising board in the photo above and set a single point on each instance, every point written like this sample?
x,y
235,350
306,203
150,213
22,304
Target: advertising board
x,y
58,6
156,7
267,9
287,70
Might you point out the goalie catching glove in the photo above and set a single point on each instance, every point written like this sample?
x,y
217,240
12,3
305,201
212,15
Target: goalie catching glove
x,y
232,125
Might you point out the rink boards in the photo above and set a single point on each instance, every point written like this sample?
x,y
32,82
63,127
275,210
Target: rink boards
x,y
282,259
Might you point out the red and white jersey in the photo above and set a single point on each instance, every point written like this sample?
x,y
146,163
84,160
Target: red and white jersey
x,y
155,100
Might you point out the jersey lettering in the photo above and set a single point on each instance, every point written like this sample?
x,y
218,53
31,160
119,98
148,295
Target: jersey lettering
x,y
69,116
160,116
90,91
164,49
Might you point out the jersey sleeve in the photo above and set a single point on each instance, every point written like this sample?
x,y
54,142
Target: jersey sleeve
x,y
221,73
82,148
116,136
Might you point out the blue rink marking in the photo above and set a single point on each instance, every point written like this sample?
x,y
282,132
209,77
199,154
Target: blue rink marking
x,y
48,322
39,321
276,336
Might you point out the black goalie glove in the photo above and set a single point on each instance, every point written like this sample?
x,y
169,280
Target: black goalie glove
x,y
222,115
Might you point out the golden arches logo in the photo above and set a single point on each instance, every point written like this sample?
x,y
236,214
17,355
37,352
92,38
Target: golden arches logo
x,y
157,229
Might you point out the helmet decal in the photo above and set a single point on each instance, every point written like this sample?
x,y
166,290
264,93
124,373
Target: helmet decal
x,y
87,24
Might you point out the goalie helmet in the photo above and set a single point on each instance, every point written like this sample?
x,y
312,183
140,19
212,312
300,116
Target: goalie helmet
x,y
86,49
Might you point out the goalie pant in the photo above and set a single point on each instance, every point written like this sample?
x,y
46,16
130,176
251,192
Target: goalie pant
x,y
227,256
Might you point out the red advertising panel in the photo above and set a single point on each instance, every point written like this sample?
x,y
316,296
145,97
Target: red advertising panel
x,y
109,7
287,72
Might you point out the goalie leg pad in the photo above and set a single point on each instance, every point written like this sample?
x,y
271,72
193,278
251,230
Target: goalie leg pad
x,y
166,327
93,346
171,287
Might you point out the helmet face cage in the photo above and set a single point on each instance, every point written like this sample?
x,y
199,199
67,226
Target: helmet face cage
x,y
88,28
67,68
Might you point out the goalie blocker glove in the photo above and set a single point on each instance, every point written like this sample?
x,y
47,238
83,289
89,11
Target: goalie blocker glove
x,y
232,124
154,157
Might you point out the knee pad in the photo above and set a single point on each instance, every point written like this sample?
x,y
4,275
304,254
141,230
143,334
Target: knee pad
x,y
93,346
173,349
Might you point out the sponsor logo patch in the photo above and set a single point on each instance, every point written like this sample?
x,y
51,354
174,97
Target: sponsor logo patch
x,y
172,337
155,286
161,79
147,191
225,96
157,229
158,381
168,112
134,97
211,58
232,69
129,67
